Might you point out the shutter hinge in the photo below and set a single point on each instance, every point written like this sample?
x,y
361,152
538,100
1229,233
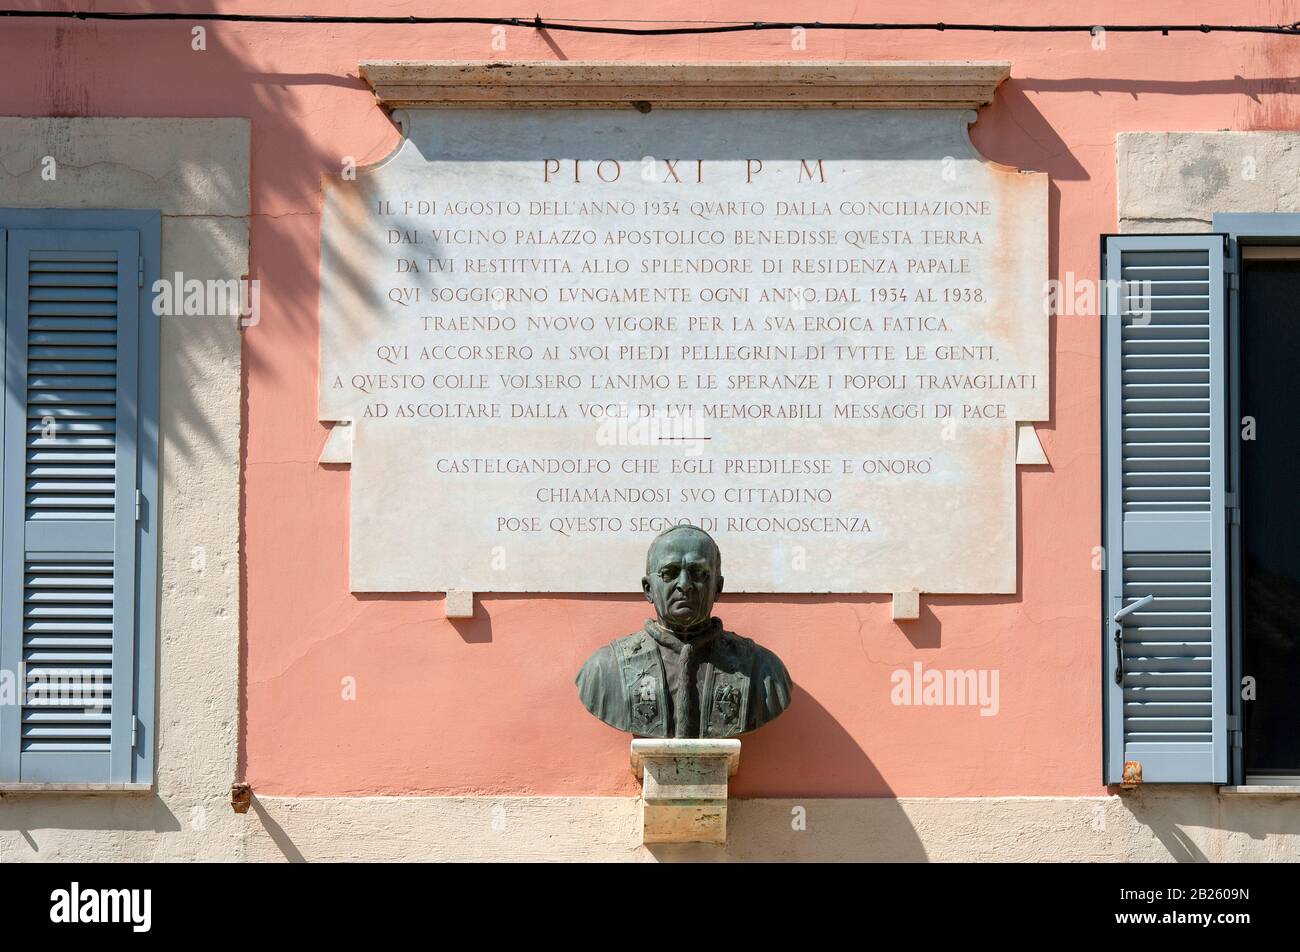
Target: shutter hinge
x,y
1234,282
1234,730
135,731
139,273
137,505
1231,509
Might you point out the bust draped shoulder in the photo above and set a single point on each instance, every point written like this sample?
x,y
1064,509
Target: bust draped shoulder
x,y
623,684
600,686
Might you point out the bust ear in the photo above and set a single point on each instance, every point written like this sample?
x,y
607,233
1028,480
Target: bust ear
x,y
645,587
718,591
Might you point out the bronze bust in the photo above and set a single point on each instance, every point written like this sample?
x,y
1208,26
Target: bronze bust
x,y
683,674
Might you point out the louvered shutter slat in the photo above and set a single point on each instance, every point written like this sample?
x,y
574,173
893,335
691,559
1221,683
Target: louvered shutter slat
x,y
1164,388
70,466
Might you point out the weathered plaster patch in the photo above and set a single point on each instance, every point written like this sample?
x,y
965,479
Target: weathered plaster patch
x,y
1176,181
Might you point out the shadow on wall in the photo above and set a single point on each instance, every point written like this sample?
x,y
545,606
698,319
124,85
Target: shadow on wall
x,y
277,834
68,827
604,829
790,828
824,831
806,748
287,162
209,229
1190,820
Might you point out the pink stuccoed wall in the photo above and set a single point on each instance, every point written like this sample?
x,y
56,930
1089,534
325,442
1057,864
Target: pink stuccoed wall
x,y
488,705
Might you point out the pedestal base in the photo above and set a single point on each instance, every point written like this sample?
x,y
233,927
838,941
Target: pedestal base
x,y
684,788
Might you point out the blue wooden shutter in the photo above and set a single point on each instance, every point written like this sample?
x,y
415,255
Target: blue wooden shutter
x,y
68,593
1165,527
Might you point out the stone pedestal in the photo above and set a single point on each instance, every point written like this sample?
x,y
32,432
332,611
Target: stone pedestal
x,y
684,788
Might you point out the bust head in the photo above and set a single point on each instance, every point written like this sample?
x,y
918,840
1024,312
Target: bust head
x,y
683,577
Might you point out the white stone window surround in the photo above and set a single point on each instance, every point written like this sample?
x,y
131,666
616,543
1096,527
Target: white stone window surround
x,y
196,172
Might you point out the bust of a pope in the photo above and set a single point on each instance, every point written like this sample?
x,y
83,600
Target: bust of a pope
x,y
683,674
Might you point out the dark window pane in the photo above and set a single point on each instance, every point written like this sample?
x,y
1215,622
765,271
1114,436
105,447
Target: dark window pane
x,y
1270,381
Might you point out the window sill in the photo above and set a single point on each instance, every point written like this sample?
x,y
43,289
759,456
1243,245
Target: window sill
x,y
1262,790
131,788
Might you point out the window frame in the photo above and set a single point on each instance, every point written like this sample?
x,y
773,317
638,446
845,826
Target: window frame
x,y
1243,229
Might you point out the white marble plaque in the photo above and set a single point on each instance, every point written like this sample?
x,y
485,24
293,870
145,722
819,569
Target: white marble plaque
x,y
557,332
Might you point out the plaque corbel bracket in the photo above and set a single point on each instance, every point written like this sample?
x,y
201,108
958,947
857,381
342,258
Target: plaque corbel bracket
x,y
1029,451
459,604
907,606
338,444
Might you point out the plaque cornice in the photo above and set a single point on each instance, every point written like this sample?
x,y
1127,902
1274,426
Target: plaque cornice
x,y
926,84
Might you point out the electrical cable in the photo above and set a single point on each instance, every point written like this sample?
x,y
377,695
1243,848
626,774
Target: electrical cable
x,y
697,27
